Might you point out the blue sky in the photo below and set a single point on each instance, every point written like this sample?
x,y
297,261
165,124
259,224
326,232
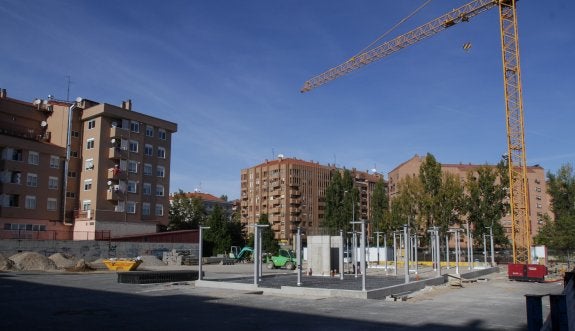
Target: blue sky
x,y
229,73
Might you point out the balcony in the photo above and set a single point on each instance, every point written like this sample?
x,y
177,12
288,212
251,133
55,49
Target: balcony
x,y
116,132
114,195
116,153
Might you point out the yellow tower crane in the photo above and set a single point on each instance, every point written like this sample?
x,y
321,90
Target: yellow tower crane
x,y
521,225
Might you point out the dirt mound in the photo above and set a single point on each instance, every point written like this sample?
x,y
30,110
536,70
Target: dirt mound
x,y
63,261
151,261
81,266
98,264
32,261
5,263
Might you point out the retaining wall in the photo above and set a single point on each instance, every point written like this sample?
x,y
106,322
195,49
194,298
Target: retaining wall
x,y
90,250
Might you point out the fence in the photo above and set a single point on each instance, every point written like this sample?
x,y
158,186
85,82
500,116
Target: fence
x,y
54,235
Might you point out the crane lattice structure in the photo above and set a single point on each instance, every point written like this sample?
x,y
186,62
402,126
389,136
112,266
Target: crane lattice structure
x,y
517,167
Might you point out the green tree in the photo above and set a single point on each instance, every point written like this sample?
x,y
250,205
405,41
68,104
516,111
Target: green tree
x,y
430,177
449,202
185,213
560,234
484,204
269,242
380,207
217,237
341,196
406,204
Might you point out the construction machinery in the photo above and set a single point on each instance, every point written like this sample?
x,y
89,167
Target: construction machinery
x,y
284,259
517,167
241,254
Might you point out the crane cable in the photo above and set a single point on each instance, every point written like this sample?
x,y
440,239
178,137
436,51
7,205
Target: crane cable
x,y
392,28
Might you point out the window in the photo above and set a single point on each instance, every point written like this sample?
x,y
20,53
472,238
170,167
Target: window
x,y
149,131
89,164
147,189
15,177
72,174
52,204
33,158
130,207
54,162
87,185
538,189
32,180
149,150
12,200
74,153
91,124
119,207
538,197
146,208
161,152
9,153
162,134
90,143
160,190
160,171
159,209
132,186
539,205
132,166
135,126
75,134
53,183
133,146
86,205
30,202
70,194
147,169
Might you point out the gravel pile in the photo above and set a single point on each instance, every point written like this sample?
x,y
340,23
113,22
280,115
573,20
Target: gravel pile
x,y
81,266
63,261
6,264
32,261
98,264
151,261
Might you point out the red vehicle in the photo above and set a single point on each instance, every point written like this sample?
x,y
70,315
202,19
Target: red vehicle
x,y
527,272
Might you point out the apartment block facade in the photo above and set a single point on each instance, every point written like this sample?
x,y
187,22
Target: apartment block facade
x,y
31,171
539,199
114,166
292,193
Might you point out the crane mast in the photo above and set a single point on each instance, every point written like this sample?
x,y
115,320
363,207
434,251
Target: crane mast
x,y
517,167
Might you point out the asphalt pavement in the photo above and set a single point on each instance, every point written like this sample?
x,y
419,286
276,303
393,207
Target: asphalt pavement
x,y
96,301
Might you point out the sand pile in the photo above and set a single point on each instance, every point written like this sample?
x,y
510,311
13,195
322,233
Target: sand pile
x,y
80,266
63,261
5,263
98,264
32,261
151,261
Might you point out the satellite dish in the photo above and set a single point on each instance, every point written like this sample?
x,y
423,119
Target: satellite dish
x,y
113,140
109,182
43,124
281,156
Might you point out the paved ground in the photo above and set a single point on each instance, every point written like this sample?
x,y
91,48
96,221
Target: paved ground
x,y
95,301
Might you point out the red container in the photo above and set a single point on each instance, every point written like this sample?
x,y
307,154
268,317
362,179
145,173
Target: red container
x,y
527,272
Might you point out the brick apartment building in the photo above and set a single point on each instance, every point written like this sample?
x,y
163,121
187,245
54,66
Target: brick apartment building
x,y
539,200
109,167
292,193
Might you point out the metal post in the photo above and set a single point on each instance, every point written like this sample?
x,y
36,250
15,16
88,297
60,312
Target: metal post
x,y
491,246
385,249
341,255
394,254
471,259
298,252
200,251
354,252
415,244
457,252
484,250
256,254
447,250
534,312
438,251
406,251
362,255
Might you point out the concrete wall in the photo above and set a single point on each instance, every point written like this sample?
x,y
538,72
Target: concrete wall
x,y
89,250
318,255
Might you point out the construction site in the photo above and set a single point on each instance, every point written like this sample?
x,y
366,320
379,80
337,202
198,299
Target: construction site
x,y
329,283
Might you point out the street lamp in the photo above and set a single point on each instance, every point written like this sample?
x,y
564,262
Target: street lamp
x,y
362,254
